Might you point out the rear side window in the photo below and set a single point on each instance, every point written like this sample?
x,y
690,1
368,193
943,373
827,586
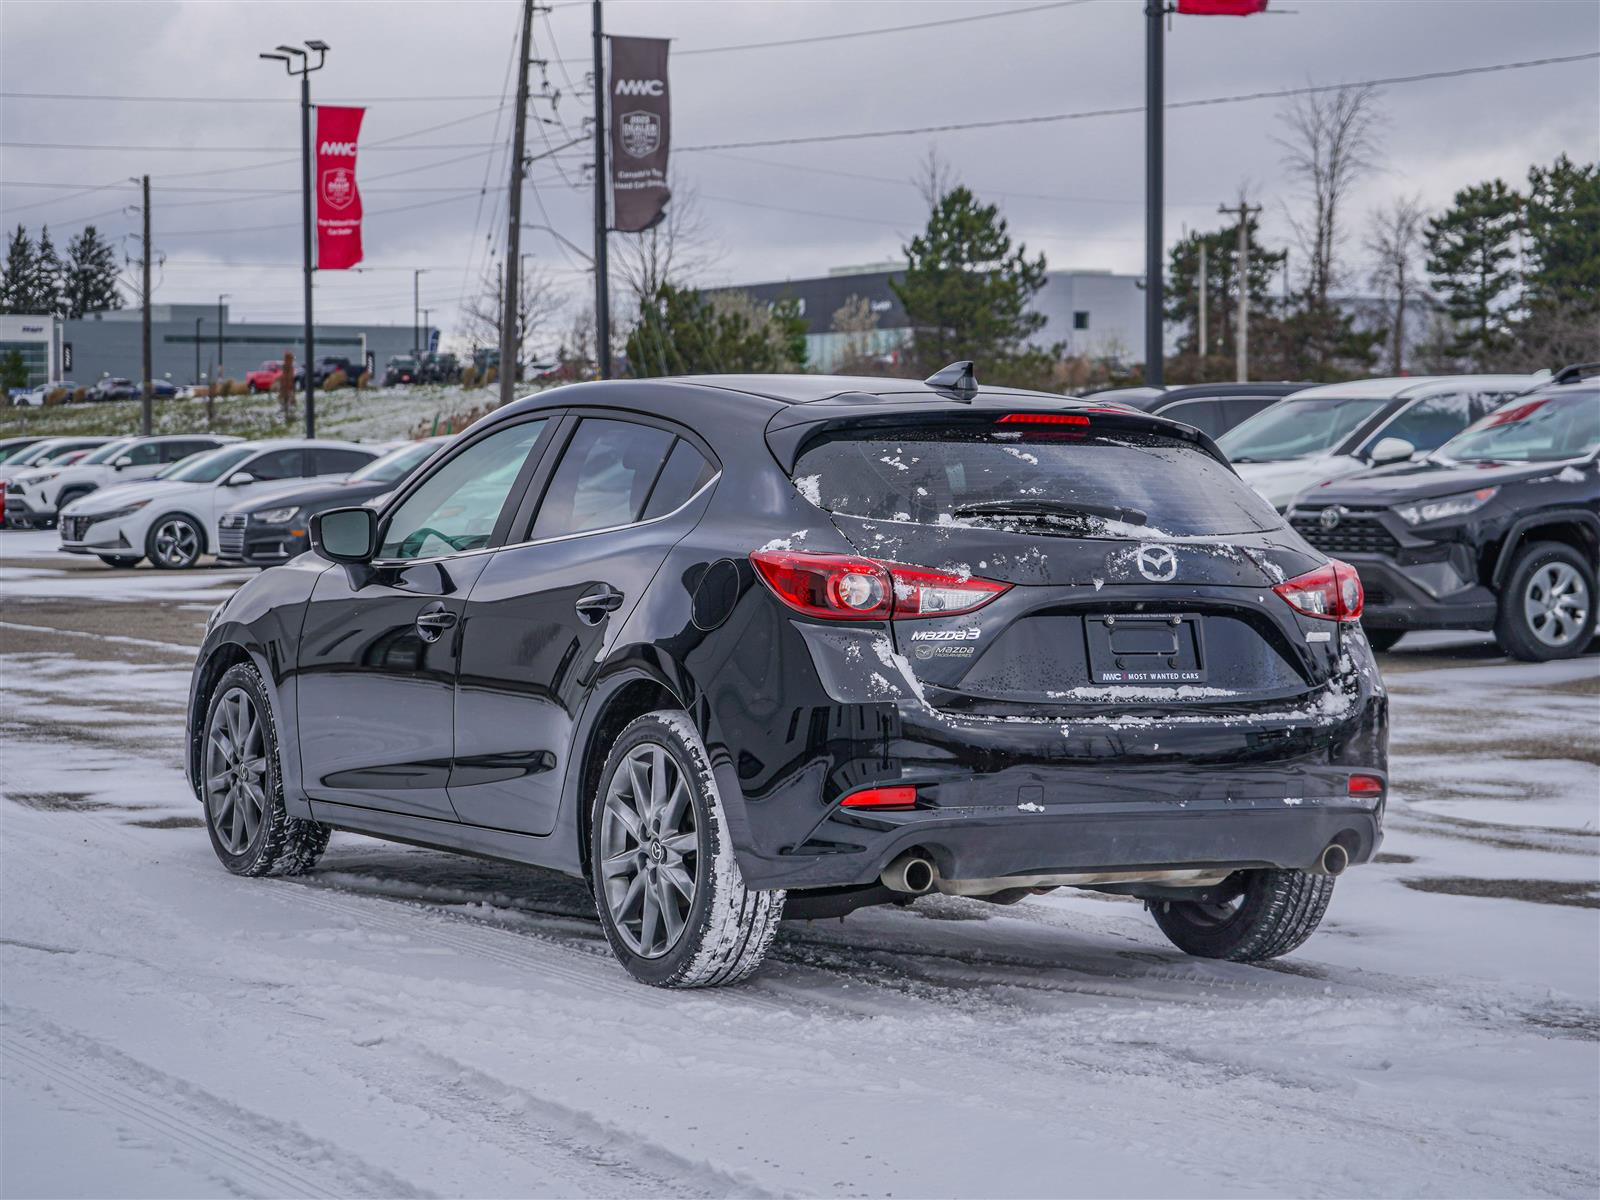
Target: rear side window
x,y
337,462
1129,486
686,473
280,464
604,479
1428,424
1204,415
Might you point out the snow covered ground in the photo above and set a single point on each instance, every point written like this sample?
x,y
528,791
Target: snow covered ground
x,y
403,1022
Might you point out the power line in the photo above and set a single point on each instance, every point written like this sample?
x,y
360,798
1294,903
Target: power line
x,y
1129,109
377,212
858,33
386,144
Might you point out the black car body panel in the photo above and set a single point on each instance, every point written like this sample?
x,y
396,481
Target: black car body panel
x,y
489,738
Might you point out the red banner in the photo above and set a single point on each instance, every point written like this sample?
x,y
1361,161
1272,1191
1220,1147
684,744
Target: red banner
x,y
1220,8
337,197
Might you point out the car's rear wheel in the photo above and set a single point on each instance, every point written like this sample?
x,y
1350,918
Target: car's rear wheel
x,y
1384,639
1252,915
120,561
667,887
1547,607
242,786
174,542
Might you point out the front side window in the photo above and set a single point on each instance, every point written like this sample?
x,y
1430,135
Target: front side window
x,y
604,479
456,506
144,454
107,453
208,468
1299,428
1427,424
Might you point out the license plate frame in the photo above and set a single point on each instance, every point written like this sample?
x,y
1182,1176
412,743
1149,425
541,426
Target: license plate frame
x,y
1146,649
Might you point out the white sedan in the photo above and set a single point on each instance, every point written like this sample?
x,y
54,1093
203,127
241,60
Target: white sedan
x,y
173,520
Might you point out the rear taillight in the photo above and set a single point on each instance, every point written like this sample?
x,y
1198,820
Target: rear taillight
x,y
881,798
843,587
1331,592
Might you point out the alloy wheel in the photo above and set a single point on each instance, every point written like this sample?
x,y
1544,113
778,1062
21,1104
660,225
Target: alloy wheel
x,y
236,771
177,543
649,850
1556,604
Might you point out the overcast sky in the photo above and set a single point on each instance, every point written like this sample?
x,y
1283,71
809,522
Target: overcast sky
x,y
1073,189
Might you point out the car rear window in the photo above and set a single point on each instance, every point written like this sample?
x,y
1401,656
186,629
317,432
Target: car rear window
x,y
1129,486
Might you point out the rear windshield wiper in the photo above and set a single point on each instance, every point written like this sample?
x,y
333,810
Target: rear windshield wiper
x,y
1051,509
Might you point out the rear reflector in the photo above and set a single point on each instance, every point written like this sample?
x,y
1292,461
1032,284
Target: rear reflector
x,y
885,797
1042,419
1366,785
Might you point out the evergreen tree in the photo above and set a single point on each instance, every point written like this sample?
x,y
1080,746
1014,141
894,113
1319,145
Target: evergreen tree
x,y
91,275
16,280
682,332
1222,293
48,275
968,293
1471,258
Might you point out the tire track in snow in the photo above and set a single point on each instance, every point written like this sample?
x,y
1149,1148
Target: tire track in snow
x,y
215,1135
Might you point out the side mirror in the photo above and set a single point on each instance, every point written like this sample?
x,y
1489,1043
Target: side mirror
x,y
125,461
345,535
238,479
1391,450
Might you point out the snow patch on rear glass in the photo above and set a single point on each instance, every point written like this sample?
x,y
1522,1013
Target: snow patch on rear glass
x,y
810,486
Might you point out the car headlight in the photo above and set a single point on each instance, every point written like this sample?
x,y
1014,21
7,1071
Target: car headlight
x,y
116,513
276,516
1445,507
44,477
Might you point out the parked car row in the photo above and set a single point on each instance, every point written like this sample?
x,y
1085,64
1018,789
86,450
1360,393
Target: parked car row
x,y
428,368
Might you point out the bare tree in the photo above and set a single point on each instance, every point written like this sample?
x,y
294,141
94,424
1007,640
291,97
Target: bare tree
x,y
934,177
678,248
537,302
1332,141
859,325
1394,239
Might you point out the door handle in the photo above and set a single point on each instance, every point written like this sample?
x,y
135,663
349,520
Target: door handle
x,y
433,621
593,606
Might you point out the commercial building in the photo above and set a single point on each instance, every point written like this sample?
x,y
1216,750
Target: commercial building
x,y
193,341
37,340
1093,313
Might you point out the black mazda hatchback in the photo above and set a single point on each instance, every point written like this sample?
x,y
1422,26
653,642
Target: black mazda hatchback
x,y
739,647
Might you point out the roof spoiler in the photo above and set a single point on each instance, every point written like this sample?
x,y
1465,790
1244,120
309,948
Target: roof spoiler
x,y
959,379
1569,374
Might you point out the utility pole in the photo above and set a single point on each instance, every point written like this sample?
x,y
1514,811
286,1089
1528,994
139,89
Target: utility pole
x,y
1241,272
427,340
198,321
145,414
290,56
416,300
508,308
602,277
221,324
1201,362
1154,67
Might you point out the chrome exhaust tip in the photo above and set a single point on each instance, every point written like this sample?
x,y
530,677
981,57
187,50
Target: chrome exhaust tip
x,y
1334,860
910,873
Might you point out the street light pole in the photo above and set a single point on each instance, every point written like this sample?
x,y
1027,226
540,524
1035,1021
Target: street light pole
x,y
298,62
221,322
1154,68
416,300
198,321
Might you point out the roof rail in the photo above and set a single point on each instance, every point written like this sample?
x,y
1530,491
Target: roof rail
x,y
1575,372
958,378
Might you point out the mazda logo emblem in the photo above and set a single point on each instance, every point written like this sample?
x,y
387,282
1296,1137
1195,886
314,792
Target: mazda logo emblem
x,y
1331,516
1157,563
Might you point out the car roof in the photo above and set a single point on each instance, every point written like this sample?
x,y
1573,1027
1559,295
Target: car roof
x,y
810,389
1197,390
297,443
1408,386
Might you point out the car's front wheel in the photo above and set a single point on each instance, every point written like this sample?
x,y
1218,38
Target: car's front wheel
x,y
1250,916
174,542
669,892
242,785
1547,607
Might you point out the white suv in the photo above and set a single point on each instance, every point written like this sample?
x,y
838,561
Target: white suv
x,y
35,496
173,520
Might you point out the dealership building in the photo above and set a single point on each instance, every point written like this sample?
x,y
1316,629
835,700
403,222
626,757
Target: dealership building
x,y
188,342
1094,313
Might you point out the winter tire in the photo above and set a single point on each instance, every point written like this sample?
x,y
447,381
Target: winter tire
x,y
120,561
1547,605
1254,915
241,785
667,887
1384,639
175,542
